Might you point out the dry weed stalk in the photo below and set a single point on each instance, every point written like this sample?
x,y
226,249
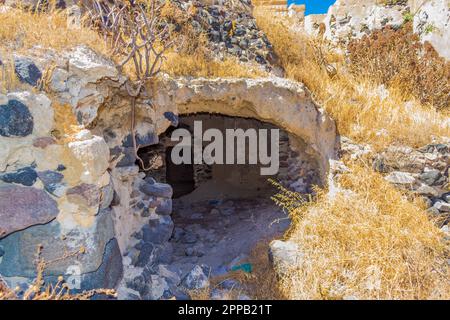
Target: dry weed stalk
x,y
134,33
38,290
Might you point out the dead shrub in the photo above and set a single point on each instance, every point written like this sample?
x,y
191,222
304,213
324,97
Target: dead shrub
x,y
396,57
350,98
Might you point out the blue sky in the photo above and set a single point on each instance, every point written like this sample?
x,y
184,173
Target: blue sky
x,y
314,6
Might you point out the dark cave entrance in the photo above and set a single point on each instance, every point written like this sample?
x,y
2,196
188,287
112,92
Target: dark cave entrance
x,y
222,211
179,176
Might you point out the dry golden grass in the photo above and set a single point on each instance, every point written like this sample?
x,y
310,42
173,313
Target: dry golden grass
x,y
23,29
368,242
200,66
260,284
205,293
8,78
353,102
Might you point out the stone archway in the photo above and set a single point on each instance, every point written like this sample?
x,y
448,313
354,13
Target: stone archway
x,y
283,103
145,216
221,211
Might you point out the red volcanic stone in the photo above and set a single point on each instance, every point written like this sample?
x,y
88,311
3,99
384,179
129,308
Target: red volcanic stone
x,y
22,207
89,193
43,142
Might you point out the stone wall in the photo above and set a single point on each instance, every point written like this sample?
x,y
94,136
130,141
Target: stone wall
x,y
55,187
68,173
281,8
423,171
348,19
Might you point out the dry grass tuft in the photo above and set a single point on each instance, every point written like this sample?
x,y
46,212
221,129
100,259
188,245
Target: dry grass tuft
x,y
24,29
354,102
8,78
200,65
367,242
260,284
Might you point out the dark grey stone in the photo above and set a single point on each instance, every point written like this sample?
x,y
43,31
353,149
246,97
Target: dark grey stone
x,y
27,71
430,177
197,278
108,275
138,284
189,251
158,230
189,238
128,159
150,180
148,253
50,179
146,140
178,233
164,207
161,190
172,117
240,32
140,205
166,253
21,247
160,254
441,148
227,25
15,119
115,152
260,59
26,176
145,212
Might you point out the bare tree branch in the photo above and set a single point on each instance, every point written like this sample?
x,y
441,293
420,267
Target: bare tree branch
x,y
133,31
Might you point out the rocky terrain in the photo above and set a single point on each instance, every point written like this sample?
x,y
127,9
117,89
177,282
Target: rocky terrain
x,y
71,182
352,19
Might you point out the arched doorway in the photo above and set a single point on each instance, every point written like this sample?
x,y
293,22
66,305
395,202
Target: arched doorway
x,y
221,211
